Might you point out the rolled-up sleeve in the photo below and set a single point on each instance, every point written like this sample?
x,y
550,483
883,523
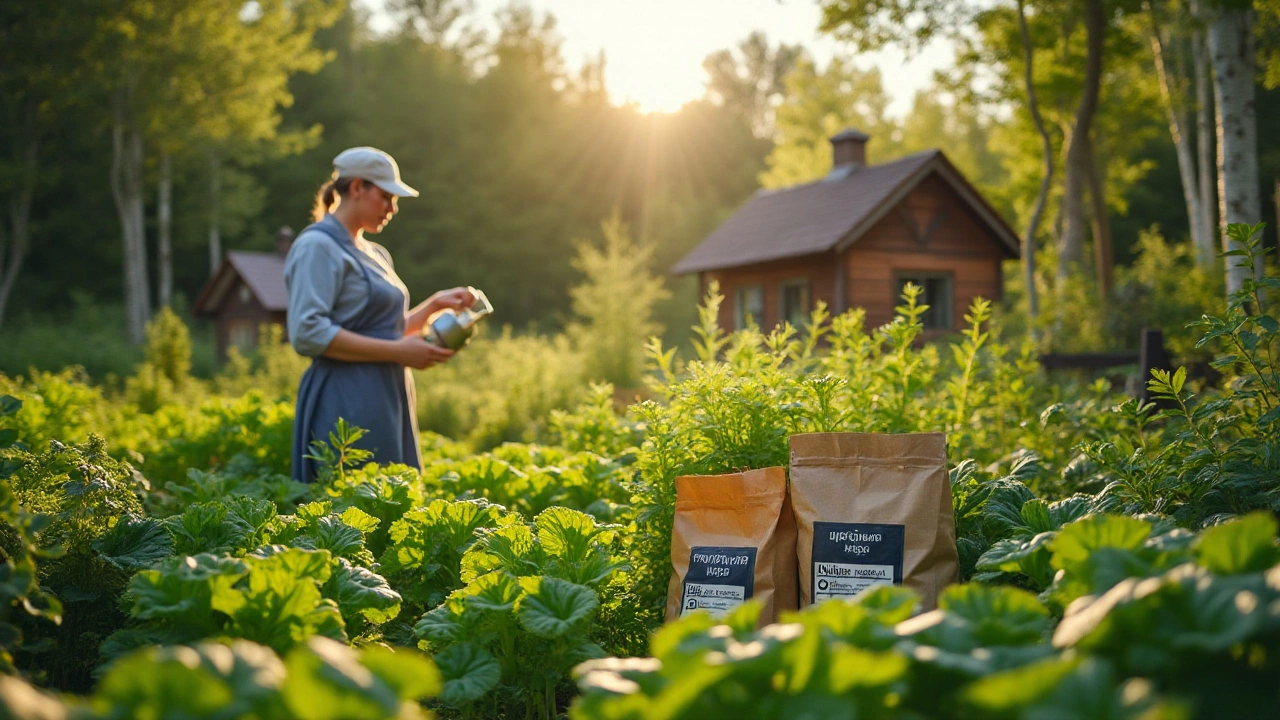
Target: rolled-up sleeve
x,y
313,276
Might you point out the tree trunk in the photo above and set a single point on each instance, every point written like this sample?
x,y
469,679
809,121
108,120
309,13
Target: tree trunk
x,y
1029,242
1231,47
126,189
1204,148
164,212
1102,256
1173,106
16,238
1071,248
215,229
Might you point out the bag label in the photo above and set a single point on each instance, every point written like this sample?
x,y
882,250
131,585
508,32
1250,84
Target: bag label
x,y
719,579
849,558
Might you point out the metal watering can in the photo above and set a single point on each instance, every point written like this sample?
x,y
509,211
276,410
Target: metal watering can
x,y
451,328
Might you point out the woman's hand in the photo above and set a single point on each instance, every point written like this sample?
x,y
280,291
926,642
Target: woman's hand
x,y
458,298
414,351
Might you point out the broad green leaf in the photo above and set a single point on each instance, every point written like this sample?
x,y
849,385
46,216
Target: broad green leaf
x,y
411,674
566,533
553,607
255,513
1077,541
1035,516
207,528
1241,546
853,667
359,519
326,681
162,683
311,512
1012,689
439,625
1003,509
185,590
362,591
510,548
330,533
469,673
495,592
997,615
134,543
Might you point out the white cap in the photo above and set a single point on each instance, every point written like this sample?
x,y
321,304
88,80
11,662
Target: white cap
x,y
373,165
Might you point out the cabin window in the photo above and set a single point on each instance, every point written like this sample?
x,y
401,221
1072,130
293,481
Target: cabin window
x,y
748,306
242,335
937,295
794,302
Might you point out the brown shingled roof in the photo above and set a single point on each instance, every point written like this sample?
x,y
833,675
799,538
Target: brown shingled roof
x,y
262,272
829,213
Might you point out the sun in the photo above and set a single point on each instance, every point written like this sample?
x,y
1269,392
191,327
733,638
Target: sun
x,y
652,85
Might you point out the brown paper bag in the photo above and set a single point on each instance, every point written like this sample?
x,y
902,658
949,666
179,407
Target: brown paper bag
x,y
733,539
872,510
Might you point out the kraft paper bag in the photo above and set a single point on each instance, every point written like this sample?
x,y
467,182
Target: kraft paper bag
x,y
733,539
872,510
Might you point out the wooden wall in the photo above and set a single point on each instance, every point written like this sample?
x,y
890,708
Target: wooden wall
x,y
819,270
241,308
931,230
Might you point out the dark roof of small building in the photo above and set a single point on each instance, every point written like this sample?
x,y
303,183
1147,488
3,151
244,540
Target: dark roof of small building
x,y
831,213
262,272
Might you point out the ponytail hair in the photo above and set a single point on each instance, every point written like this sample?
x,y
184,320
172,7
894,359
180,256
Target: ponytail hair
x,y
327,196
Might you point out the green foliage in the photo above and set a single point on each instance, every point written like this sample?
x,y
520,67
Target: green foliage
x,y
19,580
594,426
500,389
274,597
335,458
735,405
318,680
614,305
1174,638
77,509
425,555
525,615
273,368
530,482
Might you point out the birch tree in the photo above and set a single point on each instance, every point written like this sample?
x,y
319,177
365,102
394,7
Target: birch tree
x,y
1169,43
1231,48
186,76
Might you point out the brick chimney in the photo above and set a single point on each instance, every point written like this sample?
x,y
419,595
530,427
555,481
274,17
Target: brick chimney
x,y
849,147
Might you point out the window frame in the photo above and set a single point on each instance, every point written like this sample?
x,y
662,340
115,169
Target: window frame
x,y
806,299
739,316
949,284
242,334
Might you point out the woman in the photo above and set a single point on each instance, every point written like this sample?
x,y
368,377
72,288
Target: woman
x,y
349,312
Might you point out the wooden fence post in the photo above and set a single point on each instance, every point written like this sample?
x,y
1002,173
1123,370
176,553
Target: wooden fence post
x,y
1152,355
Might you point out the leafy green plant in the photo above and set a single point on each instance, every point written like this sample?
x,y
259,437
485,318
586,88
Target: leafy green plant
x,y
1166,625
525,616
275,596
424,559
317,680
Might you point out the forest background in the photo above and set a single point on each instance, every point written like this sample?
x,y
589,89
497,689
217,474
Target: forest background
x,y
143,139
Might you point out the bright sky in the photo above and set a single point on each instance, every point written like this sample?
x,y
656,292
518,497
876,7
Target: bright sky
x,y
654,48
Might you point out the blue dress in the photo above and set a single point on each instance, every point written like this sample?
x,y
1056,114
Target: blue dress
x,y
376,396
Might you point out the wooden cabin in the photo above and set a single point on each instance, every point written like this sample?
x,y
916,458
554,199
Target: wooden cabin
x,y
853,239
246,292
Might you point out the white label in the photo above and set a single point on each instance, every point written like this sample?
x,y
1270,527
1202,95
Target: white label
x,y
838,580
719,600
